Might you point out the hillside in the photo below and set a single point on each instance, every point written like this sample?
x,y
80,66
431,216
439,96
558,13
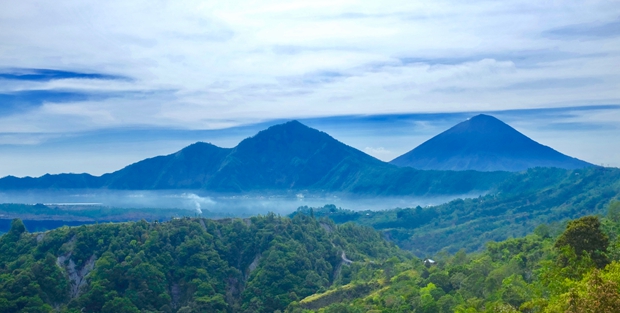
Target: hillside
x,y
260,264
518,205
284,158
303,265
189,168
484,143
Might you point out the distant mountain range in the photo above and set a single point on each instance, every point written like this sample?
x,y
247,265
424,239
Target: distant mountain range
x,y
292,157
484,143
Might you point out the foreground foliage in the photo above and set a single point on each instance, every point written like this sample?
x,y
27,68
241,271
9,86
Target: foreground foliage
x,y
303,264
577,271
186,265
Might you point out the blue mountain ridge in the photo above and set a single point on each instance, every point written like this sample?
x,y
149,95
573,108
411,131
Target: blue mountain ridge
x,y
288,157
484,143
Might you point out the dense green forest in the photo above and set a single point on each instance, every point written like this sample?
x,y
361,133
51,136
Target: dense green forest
x,y
511,250
303,264
260,264
514,209
571,269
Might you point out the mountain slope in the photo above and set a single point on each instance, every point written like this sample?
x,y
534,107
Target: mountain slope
x,y
484,143
283,158
286,156
188,168
512,209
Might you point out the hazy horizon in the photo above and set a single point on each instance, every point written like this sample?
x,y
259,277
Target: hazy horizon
x,y
382,136
197,201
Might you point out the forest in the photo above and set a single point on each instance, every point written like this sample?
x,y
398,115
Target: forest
x,y
546,240
260,264
574,268
303,264
514,209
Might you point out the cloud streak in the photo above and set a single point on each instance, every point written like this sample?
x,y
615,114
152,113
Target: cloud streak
x,y
77,67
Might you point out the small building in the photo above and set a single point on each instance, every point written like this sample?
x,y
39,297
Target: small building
x,y
429,262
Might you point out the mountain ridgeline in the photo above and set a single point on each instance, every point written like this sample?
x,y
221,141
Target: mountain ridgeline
x,y
285,157
291,157
484,143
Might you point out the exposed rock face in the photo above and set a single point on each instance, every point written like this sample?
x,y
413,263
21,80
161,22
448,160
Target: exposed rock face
x,y
327,228
254,264
175,292
76,277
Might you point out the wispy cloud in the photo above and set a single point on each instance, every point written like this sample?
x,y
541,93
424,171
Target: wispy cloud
x,y
585,31
84,66
31,74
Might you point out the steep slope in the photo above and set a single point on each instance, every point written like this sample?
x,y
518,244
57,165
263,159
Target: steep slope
x,y
287,156
484,143
514,275
254,265
189,168
283,158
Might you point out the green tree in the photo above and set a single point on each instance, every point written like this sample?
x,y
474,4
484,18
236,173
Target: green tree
x,y
585,236
119,305
17,227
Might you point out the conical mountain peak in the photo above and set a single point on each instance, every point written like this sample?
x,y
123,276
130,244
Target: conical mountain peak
x,y
282,136
290,128
484,143
486,124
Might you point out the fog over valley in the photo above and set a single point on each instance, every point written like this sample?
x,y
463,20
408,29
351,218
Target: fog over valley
x,y
191,203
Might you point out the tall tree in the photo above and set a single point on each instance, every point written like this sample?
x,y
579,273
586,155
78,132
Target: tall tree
x,y
585,236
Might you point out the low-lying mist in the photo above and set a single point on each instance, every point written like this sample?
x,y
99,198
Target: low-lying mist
x,y
194,202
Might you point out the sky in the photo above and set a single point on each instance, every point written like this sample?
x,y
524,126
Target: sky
x,y
92,86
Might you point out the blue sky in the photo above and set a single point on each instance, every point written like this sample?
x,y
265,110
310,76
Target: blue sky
x,y
87,86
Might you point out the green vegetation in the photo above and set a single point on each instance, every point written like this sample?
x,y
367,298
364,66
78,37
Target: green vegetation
x,y
536,273
302,265
259,264
514,209
317,260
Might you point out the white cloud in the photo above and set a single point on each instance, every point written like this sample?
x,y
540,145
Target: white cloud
x,y
241,46
202,65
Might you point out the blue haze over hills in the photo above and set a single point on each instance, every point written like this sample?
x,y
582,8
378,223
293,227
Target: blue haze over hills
x,y
292,157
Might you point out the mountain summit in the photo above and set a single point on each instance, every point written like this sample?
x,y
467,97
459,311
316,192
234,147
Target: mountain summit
x,y
484,143
284,158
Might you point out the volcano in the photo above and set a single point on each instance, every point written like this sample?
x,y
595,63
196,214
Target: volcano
x,y
484,143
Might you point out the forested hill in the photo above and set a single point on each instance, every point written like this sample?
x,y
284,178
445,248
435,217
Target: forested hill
x,y
515,208
303,265
575,269
261,264
284,158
